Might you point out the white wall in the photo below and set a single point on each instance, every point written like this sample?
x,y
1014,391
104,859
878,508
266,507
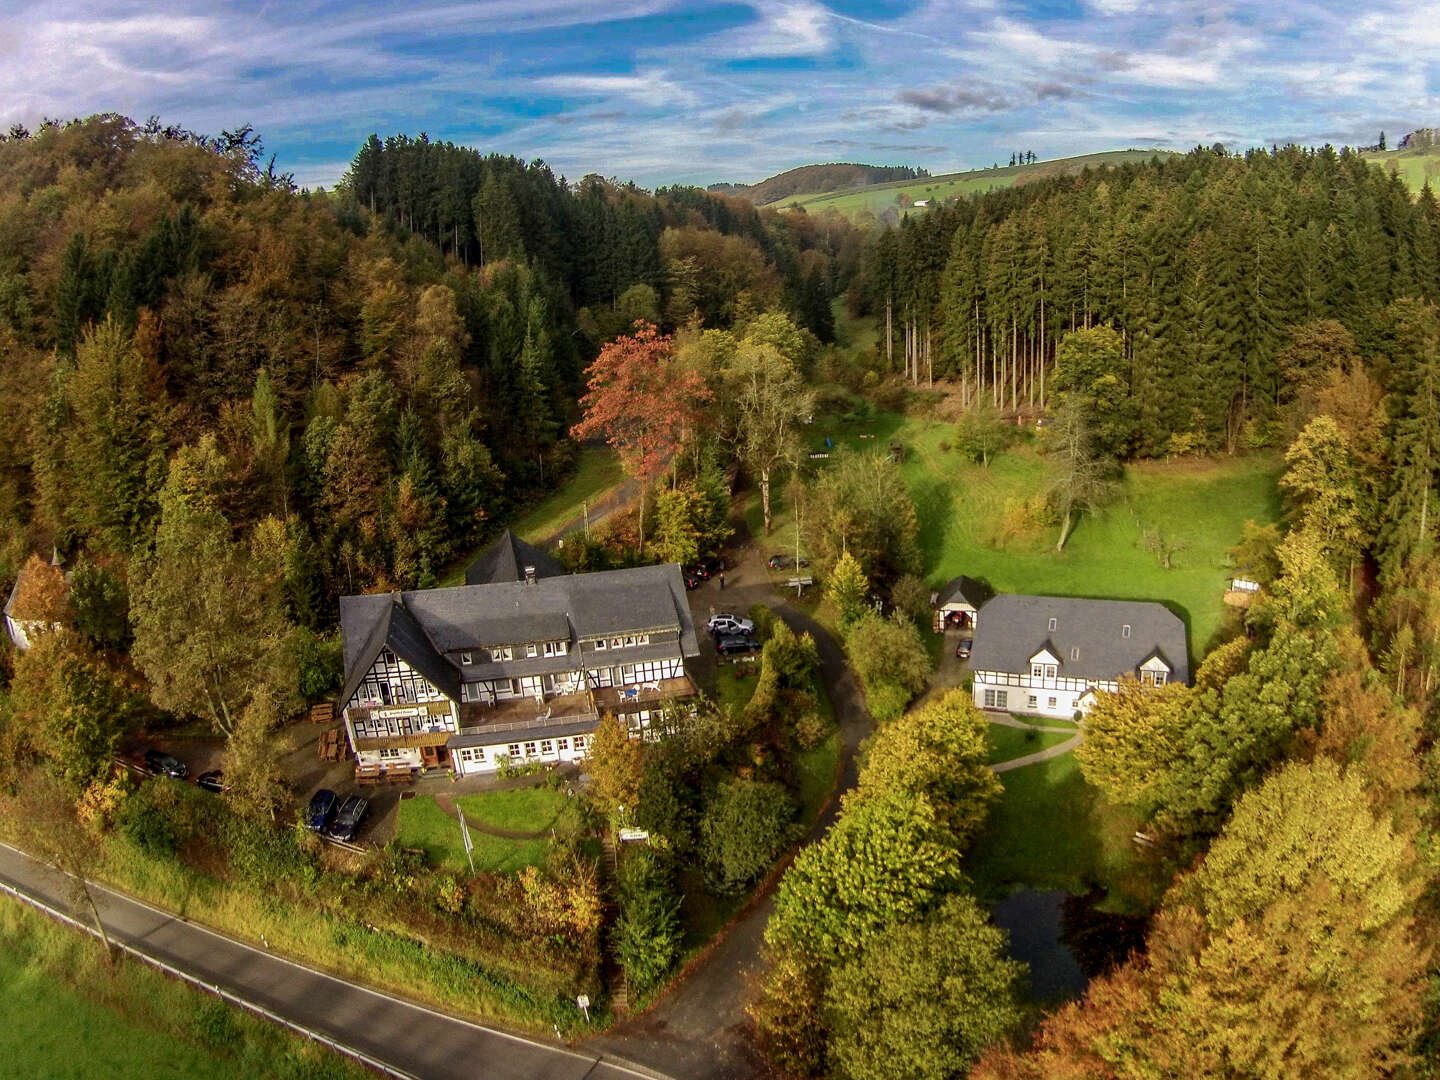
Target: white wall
x,y
1017,700
485,759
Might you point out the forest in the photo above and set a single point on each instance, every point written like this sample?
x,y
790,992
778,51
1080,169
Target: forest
x,y
231,401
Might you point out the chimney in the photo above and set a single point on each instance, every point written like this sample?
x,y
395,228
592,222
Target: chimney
x,y
529,575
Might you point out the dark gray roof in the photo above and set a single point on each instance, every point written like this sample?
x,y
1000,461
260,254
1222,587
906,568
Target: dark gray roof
x,y
493,737
1012,629
962,588
422,626
506,559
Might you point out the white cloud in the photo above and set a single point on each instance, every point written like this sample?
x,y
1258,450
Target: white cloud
x,y
655,88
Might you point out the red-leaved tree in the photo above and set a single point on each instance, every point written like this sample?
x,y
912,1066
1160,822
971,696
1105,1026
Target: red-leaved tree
x,y
641,403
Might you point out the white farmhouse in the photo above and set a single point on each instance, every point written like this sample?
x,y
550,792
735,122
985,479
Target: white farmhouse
x,y
511,670
1048,655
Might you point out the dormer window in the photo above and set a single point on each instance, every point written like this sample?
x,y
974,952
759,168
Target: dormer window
x,y
1125,630
600,644
532,650
1075,653
467,658
1052,624
1037,671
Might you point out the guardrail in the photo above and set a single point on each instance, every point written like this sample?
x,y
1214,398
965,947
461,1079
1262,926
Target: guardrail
x,y
213,988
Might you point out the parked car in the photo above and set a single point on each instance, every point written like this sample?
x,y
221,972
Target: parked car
x,y
705,569
736,644
321,810
963,649
348,818
726,623
214,780
162,764
693,580
787,562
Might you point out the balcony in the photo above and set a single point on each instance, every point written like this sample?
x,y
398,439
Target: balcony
x,y
424,711
514,713
619,699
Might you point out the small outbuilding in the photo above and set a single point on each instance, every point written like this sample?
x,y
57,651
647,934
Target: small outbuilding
x,y
958,603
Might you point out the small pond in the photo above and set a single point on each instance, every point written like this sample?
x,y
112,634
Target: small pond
x,y
1065,939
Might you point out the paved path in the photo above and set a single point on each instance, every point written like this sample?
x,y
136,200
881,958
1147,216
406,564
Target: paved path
x,y
699,1030
410,1038
1040,755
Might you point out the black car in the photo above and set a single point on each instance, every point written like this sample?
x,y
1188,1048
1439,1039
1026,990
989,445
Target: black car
x,y
693,580
705,569
787,562
162,764
736,644
348,818
962,651
214,780
321,809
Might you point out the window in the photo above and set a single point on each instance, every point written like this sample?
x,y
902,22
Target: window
x,y
472,754
1032,702
1159,678
996,699
1051,703
469,691
554,648
390,755
1125,630
467,658
642,639
616,643
532,650
529,749
547,747
500,654
1052,624
1037,671
600,644
513,749
579,743
1075,653
1050,670
562,745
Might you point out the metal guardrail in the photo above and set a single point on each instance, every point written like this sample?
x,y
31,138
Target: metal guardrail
x,y
213,988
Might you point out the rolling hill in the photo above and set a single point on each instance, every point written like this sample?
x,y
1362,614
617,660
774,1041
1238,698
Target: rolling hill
x,y
1414,165
875,199
812,179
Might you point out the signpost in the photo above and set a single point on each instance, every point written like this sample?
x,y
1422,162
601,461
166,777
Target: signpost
x,y
465,839
583,1000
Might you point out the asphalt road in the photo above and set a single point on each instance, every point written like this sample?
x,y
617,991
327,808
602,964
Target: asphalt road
x,y
411,1038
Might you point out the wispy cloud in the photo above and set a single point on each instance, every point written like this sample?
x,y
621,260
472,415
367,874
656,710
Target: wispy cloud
x,y
681,90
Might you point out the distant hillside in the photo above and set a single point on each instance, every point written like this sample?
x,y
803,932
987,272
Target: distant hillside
x,y
809,179
1416,161
891,200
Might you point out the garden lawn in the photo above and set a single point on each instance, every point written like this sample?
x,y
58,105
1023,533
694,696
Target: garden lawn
x,y
422,824
1203,502
1007,743
1040,833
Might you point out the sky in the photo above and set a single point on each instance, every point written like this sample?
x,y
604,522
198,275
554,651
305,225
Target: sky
x,y
671,91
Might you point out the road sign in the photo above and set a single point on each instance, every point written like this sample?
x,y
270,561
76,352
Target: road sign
x,y
583,1000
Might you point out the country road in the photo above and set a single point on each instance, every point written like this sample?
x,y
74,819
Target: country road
x,y
410,1038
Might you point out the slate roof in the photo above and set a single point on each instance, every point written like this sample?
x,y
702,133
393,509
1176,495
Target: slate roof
x,y
962,588
506,559
1015,628
422,626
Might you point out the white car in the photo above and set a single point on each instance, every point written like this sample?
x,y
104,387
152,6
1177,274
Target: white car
x,y
725,623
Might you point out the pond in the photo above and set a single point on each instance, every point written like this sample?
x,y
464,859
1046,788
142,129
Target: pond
x,y
1065,939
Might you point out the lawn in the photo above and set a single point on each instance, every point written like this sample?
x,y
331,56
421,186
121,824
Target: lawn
x,y
69,1015
1007,743
1039,834
597,473
1206,502
1415,167
422,824
815,776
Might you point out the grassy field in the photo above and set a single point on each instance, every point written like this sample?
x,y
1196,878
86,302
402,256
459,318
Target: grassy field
x,y
960,505
1039,834
597,472
875,198
1007,743
1415,167
422,824
68,1014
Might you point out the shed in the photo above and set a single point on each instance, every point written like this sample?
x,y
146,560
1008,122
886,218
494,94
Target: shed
x,y
958,603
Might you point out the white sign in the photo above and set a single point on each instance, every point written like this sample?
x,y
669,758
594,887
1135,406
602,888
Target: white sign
x,y
628,835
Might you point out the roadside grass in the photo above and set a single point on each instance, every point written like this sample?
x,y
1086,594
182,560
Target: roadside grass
x,y
1039,834
815,776
1007,743
1203,503
422,824
70,1014
597,472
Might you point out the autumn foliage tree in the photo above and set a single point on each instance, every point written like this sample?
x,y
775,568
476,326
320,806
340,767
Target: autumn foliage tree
x,y
641,403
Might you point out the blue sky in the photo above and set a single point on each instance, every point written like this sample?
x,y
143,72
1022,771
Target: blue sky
x,y
665,92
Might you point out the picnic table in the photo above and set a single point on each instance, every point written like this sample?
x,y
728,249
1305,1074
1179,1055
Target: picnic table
x,y
324,713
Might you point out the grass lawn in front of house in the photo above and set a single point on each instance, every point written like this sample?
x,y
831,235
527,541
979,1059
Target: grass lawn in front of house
x,y
1007,743
420,823
1039,834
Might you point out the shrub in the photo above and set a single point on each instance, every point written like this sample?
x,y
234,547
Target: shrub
x,y
811,729
912,596
146,825
891,661
746,825
648,933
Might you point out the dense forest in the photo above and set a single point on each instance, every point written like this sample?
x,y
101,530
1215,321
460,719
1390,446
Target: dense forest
x,y
382,374
1202,262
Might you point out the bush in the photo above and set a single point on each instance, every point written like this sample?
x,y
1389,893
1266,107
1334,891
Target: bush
x,y
647,935
891,661
811,729
912,596
746,825
146,826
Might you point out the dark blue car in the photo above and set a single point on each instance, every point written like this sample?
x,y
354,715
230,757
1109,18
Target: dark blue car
x,y
321,810
347,821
